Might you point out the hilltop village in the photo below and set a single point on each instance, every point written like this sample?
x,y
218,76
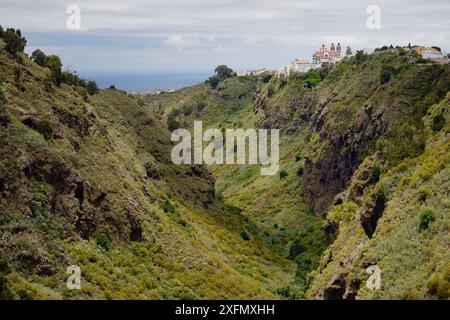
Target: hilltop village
x,y
325,56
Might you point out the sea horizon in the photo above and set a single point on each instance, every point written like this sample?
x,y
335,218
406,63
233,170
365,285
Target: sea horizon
x,y
145,81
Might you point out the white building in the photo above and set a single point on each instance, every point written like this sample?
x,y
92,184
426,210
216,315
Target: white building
x,y
253,72
429,53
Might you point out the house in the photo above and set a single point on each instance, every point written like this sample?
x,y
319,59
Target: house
x,y
302,65
253,72
429,53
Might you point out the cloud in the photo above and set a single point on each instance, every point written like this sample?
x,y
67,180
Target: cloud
x,y
198,34
181,42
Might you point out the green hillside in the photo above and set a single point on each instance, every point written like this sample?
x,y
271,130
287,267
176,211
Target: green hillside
x,y
86,179
345,131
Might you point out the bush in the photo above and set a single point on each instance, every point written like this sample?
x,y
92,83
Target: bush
x,y
53,62
439,285
296,248
167,207
3,93
233,209
92,87
385,77
283,174
213,82
266,77
360,56
14,41
425,219
39,57
245,236
438,122
376,173
103,241
300,171
44,128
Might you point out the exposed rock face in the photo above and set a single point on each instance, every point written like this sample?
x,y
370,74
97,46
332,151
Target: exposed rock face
x,y
335,289
371,212
331,172
135,227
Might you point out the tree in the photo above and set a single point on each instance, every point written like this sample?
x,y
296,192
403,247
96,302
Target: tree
x,y
92,87
1,31
349,51
223,72
39,57
437,48
53,62
14,42
360,56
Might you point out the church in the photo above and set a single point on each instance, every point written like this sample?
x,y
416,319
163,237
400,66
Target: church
x,y
325,56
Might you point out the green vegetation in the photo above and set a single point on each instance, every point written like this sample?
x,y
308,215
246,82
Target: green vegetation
x,y
53,62
103,241
14,41
39,57
426,218
167,207
359,151
438,122
222,73
283,174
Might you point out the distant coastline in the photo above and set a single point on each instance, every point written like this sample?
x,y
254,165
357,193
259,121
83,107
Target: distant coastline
x,y
139,82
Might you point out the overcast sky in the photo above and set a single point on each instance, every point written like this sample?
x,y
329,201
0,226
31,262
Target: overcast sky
x,y
196,35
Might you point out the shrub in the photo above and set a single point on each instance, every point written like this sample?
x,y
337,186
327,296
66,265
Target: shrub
x,y
233,209
283,174
3,93
17,74
296,248
103,241
439,285
266,77
425,219
438,122
376,173
385,76
298,158
44,128
300,171
92,87
213,82
53,62
245,236
39,57
14,41
167,207
360,56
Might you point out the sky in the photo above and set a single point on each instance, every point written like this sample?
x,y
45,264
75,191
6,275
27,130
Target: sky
x,y
197,35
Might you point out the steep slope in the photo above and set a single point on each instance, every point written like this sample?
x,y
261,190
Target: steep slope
x,y
88,181
345,131
410,241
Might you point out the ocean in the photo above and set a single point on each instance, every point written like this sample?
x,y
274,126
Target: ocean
x,y
145,81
